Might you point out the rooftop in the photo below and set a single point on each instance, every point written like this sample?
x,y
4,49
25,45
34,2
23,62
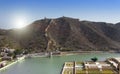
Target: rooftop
x,y
90,67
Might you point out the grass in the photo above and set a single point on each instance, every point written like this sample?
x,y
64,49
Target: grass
x,y
79,62
80,71
95,72
108,72
68,71
69,64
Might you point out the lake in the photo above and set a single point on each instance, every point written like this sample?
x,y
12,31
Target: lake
x,y
53,65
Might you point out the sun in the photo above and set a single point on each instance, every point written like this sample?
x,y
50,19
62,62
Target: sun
x,y
19,22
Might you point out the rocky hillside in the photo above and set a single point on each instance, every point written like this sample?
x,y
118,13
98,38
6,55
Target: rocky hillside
x,y
63,34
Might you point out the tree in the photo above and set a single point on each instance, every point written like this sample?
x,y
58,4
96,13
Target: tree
x,y
10,54
17,52
94,59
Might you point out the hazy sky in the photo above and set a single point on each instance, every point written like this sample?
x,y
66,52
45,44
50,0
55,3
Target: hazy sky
x,y
12,11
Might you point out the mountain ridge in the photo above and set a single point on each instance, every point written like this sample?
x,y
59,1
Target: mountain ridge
x,y
64,34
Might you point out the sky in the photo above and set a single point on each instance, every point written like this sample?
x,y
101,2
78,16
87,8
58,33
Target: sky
x,y
19,13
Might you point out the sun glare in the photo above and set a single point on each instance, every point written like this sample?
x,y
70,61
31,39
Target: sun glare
x,y
19,22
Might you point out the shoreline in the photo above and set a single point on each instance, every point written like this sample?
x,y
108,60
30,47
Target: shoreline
x,y
79,52
12,63
45,54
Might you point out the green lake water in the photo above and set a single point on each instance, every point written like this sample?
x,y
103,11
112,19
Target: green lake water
x,y
52,65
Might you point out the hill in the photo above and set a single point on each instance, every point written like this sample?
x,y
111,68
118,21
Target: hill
x,y
63,34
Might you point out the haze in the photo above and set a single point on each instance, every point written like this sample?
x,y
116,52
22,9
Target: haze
x,y
19,13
